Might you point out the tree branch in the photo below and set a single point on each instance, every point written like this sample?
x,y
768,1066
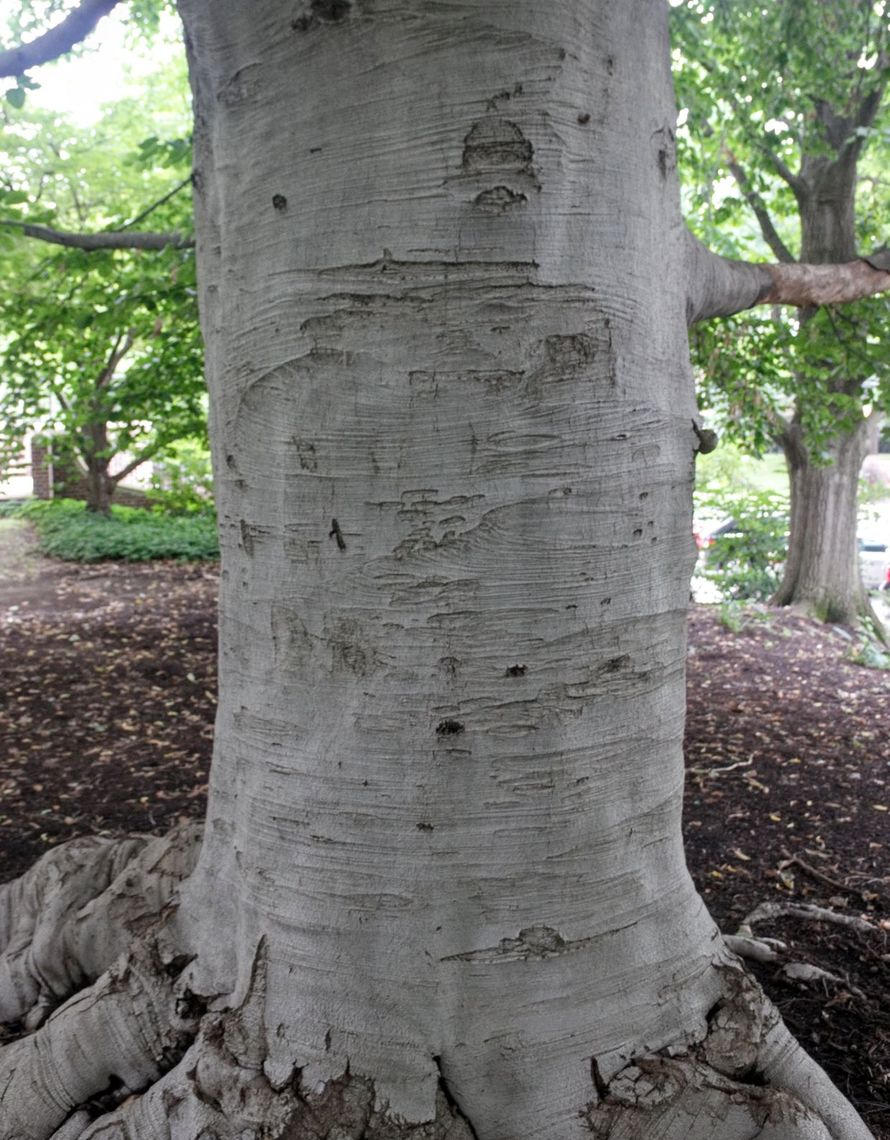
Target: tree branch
x,y
62,38
109,239
160,202
719,286
808,285
757,204
141,457
122,345
798,185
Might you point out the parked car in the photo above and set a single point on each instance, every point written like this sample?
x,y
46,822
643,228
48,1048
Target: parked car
x,y
874,561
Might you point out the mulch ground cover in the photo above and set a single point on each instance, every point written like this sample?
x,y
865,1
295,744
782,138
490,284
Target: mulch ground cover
x,y
106,716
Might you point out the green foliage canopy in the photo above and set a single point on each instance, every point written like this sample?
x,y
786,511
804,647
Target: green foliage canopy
x,y
102,348
783,106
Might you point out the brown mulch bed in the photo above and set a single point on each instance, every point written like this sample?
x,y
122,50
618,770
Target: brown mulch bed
x,y
108,675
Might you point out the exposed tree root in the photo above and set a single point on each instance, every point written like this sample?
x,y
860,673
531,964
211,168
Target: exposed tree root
x,y
136,1056
125,1030
770,910
219,1089
77,910
747,1078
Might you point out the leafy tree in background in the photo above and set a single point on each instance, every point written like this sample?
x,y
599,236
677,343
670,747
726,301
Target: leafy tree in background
x,y
787,124
440,895
99,347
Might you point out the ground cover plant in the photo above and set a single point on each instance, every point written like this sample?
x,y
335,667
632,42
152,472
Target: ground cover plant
x,y
108,698
67,530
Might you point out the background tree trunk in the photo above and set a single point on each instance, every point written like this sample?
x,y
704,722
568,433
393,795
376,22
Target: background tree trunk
x,y
822,571
99,486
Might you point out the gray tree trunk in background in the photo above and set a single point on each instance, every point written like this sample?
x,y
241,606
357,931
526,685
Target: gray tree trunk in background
x,y
822,570
441,891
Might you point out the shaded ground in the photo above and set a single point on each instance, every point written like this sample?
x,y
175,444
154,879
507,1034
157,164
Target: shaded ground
x,y
108,674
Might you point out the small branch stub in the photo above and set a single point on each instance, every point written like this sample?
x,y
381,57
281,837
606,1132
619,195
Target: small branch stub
x,y
707,439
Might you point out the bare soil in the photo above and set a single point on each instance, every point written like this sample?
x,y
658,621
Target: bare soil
x,y
108,677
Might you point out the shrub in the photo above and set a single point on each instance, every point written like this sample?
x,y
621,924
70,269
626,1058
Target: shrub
x,y
67,530
182,481
745,559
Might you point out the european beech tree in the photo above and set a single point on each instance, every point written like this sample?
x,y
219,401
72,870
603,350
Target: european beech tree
x,y
440,893
788,102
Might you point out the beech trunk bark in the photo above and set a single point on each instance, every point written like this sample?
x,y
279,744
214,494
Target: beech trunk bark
x,y
441,891
822,570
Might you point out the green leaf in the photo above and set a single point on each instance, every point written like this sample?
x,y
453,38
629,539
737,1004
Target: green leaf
x,y
15,96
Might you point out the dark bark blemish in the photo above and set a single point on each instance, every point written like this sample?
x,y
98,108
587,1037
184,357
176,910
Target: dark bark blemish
x,y
497,146
499,199
333,10
449,727
572,351
425,827
615,664
322,12
606,602
337,534
666,153
306,454
532,942
584,118
247,538
516,670
279,202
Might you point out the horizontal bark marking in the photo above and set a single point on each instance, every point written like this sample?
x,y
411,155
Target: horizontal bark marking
x,y
533,942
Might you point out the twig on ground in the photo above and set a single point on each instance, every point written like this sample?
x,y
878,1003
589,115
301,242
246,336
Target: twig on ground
x,y
719,771
820,876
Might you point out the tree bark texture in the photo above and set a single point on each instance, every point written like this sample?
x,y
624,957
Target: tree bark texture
x,y
441,892
822,570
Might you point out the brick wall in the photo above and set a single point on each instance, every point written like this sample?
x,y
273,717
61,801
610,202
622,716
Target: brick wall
x,y
41,470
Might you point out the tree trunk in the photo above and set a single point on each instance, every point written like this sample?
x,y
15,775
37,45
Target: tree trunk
x,y
99,487
441,892
822,570
95,451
